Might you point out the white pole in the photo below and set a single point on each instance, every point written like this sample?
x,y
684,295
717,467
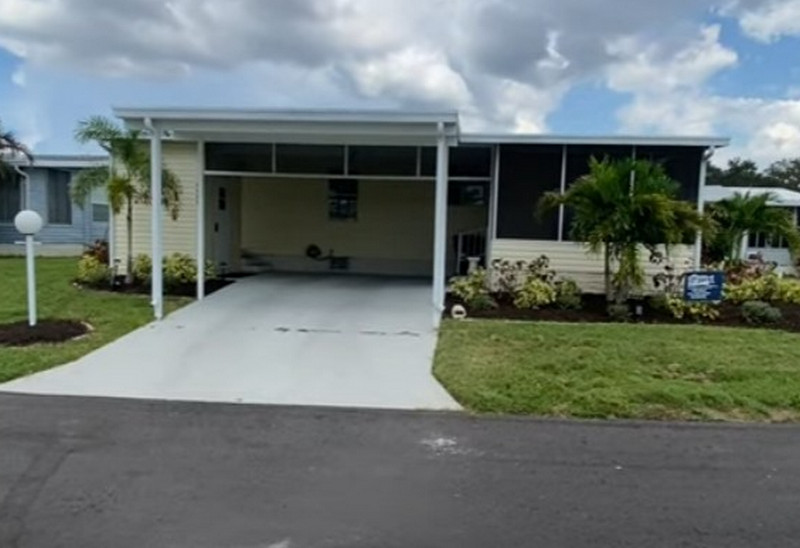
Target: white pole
x,y
156,221
31,279
112,219
440,225
701,205
201,222
562,189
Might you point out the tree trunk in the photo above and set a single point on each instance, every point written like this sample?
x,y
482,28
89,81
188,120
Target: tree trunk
x,y
129,225
607,271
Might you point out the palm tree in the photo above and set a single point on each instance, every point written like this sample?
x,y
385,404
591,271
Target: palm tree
x,y
10,146
127,180
744,214
620,206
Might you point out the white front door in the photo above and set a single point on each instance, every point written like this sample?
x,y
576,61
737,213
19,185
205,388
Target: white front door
x,y
220,196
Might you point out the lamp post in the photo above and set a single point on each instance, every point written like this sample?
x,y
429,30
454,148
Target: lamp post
x,y
29,223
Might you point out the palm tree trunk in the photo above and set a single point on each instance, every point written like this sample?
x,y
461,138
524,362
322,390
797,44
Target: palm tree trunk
x,y
129,224
607,271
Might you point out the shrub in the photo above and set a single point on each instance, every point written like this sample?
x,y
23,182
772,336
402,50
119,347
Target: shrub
x,y
142,269
759,313
93,272
98,250
619,312
680,309
179,269
510,276
568,294
534,293
473,290
764,288
789,291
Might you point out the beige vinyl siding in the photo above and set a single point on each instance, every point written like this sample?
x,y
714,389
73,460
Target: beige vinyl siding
x,y
393,231
572,260
179,235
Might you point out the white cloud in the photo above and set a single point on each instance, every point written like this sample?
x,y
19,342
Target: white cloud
x,y
670,95
506,64
769,20
414,75
644,67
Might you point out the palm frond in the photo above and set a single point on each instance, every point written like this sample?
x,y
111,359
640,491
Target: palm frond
x,y
85,182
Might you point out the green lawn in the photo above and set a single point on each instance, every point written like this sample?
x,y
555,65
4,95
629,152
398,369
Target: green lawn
x,y
111,315
621,370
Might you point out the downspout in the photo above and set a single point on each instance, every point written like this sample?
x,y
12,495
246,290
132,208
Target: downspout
x,y
26,187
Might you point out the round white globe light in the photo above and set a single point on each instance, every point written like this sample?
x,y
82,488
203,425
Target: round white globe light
x,y
28,222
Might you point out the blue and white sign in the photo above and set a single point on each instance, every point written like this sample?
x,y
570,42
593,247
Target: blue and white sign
x,y
703,286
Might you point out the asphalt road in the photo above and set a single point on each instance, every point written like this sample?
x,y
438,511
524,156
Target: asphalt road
x,y
88,473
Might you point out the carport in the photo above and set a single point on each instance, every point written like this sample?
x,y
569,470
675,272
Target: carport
x,y
250,157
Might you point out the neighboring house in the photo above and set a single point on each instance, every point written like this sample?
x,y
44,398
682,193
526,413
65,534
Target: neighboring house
x,y
769,248
375,192
68,227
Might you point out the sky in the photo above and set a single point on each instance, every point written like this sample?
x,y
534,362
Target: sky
x,y
651,67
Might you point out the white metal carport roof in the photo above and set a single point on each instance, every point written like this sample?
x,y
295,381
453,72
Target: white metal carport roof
x,y
780,196
315,126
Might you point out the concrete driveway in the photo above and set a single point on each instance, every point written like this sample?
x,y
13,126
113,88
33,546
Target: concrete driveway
x,y
285,339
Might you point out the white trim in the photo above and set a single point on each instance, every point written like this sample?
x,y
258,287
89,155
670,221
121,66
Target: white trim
x,y
562,190
701,186
491,230
645,140
156,222
201,221
440,225
325,176
64,161
112,219
287,115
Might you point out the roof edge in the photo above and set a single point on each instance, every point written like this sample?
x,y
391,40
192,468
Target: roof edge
x,y
554,139
286,115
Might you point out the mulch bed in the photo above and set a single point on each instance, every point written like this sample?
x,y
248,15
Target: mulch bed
x,y
183,290
594,311
45,331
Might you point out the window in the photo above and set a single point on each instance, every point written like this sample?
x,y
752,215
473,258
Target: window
x,y
10,197
526,173
467,193
243,157
464,161
343,200
59,204
322,159
383,160
470,161
222,199
100,213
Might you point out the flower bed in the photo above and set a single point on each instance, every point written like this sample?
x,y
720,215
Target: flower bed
x,y
754,296
594,310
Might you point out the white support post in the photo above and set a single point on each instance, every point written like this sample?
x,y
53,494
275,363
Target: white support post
x,y
157,280
701,206
494,192
201,222
440,225
562,190
112,231
31,275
